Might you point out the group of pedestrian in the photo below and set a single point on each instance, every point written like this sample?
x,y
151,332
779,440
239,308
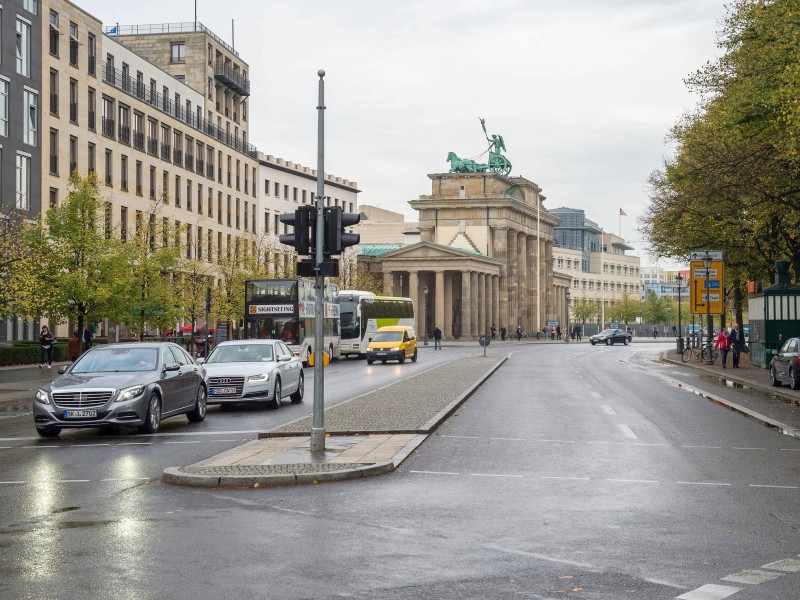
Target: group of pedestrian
x,y
77,345
576,332
730,340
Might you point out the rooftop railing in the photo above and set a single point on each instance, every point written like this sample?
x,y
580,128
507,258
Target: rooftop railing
x,y
155,28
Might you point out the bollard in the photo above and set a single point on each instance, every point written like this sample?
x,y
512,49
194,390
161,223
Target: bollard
x,y
680,345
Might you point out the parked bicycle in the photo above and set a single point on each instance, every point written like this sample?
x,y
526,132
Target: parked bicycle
x,y
700,354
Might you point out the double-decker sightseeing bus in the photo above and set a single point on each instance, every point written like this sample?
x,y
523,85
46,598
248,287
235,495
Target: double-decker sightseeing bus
x,y
284,309
362,313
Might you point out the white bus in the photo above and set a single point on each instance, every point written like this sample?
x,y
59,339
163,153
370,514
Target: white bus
x,y
284,309
362,313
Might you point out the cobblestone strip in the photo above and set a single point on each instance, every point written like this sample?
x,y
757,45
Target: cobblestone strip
x,y
405,406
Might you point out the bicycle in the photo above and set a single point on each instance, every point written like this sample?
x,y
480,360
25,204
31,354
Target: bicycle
x,y
700,355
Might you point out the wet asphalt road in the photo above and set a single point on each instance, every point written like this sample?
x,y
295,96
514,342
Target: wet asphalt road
x,y
574,472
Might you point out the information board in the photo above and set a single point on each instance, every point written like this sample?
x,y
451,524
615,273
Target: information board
x,y
704,290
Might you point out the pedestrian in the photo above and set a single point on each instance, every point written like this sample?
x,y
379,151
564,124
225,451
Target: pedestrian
x,y
519,332
46,341
674,331
655,332
503,333
552,332
437,338
74,346
579,331
723,343
558,331
86,339
737,344
493,329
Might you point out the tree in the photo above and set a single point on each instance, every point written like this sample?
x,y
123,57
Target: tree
x,y
356,276
73,268
13,251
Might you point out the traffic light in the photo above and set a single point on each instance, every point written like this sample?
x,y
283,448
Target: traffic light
x,y
336,239
303,219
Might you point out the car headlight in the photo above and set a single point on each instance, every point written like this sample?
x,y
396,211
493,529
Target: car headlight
x,y
42,397
259,378
129,393
395,349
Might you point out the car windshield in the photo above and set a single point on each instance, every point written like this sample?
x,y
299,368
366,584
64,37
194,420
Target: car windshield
x,y
388,336
236,353
114,360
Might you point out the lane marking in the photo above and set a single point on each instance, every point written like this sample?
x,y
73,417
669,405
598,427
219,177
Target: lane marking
x,y
85,445
607,443
791,565
558,441
63,481
186,442
126,479
135,444
735,448
710,591
780,487
510,439
752,576
647,444
542,557
565,478
434,472
608,409
11,482
633,480
597,395
495,475
627,431
706,447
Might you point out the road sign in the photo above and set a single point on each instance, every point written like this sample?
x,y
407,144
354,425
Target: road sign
x,y
701,254
706,288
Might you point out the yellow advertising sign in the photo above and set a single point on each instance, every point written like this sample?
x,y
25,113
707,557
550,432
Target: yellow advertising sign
x,y
707,288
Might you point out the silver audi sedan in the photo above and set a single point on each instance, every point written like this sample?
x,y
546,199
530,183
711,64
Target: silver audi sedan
x,y
123,384
253,371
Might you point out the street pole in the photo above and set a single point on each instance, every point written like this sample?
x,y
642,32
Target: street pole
x,y
679,279
707,264
318,419
424,314
566,309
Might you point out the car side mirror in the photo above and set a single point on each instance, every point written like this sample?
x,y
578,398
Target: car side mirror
x,y
200,361
172,367
62,369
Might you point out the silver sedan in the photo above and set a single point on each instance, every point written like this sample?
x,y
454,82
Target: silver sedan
x,y
253,371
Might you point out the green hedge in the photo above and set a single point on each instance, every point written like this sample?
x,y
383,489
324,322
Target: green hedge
x,y
27,353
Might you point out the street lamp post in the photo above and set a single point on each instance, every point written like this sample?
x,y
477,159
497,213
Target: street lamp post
x,y
679,279
707,265
566,307
424,314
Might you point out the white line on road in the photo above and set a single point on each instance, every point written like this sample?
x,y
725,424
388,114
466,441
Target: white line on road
x,y
216,441
135,444
735,448
126,479
558,441
706,447
565,478
627,431
710,592
608,409
597,395
509,439
542,557
186,442
633,480
701,483
646,444
434,473
606,443
62,481
495,475
462,437
779,487
10,482
85,445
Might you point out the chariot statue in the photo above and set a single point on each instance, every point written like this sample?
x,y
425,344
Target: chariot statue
x,y
497,162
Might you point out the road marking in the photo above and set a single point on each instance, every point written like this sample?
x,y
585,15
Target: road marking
x,y
646,444
701,483
710,592
608,409
565,478
434,472
790,449
63,481
791,565
780,487
752,576
627,431
216,441
607,443
558,441
85,445
6,447
706,447
735,448
597,395
510,439
542,557
135,444
495,475
462,437
10,482
127,479
186,442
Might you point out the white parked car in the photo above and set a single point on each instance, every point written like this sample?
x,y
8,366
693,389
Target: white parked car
x,y
253,371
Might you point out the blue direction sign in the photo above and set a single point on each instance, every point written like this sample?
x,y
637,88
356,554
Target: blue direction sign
x,y
714,283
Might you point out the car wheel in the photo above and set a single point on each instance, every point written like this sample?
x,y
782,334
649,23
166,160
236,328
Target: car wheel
x,y
593,342
794,383
48,432
625,341
298,394
414,357
383,362
278,398
402,358
152,421
608,342
370,361
774,377
198,413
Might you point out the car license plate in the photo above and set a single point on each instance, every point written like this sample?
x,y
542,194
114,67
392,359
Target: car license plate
x,y
222,391
380,354
80,414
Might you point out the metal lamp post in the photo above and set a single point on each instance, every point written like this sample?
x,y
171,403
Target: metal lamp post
x,y
707,265
566,307
679,279
424,314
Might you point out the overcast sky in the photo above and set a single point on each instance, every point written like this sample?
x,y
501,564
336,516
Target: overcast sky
x,y
583,92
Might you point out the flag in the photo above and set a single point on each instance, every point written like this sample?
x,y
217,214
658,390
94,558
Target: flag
x,y
113,30
622,213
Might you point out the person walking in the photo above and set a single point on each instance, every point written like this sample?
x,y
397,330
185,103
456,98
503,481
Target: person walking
x,y
558,331
493,329
46,341
519,332
655,332
737,344
74,346
437,338
723,343
503,333
579,331
86,339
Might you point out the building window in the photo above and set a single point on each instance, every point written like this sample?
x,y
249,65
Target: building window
x,y
92,108
200,198
54,151
53,197
31,117
123,175
92,44
32,6
178,52
73,154
109,168
4,107
92,158
23,186
138,178
73,44
189,195
152,183
123,223
53,92
23,47
54,33
178,191
73,101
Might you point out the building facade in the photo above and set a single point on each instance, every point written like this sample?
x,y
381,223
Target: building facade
x,y
485,256
21,103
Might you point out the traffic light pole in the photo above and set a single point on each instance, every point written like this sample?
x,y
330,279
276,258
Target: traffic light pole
x,y
318,421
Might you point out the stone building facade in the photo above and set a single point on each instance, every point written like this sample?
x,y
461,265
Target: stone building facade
x,y
485,256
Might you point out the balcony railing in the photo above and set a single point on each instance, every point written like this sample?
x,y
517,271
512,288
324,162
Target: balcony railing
x,y
138,140
152,146
165,149
198,166
91,120
116,78
73,112
124,134
185,27
108,127
54,104
189,164
177,157
233,78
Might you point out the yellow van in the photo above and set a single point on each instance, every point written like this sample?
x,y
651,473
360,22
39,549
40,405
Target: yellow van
x,y
393,342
